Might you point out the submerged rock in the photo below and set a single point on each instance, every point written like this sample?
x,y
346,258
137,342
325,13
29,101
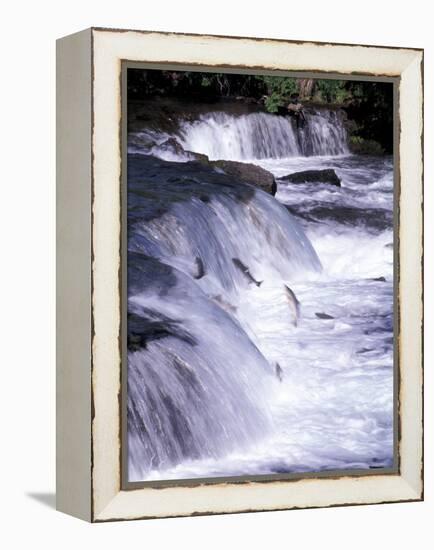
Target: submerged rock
x,y
152,326
172,145
364,350
374,220
199,157
314,176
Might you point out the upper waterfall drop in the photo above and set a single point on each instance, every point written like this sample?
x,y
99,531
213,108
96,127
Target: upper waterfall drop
x,y
323,133
251,136
263,136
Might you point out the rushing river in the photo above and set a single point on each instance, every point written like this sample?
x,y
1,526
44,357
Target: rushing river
x,y
223,378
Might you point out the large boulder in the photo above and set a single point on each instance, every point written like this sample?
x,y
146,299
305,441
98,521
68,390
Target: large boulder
x,y
328,176
241,171
248,173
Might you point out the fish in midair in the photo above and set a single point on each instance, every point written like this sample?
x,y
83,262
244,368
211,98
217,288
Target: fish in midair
x,y
200,268
324,316
245,270
294,304
364,350
224,304
279,372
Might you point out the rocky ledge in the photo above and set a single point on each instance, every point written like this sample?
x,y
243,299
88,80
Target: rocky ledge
x,y
242,171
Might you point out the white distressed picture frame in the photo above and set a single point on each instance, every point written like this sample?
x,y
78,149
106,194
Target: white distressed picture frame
x,y
89,163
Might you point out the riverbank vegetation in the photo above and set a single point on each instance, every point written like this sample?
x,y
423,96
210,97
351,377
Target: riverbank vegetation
x,y
368,105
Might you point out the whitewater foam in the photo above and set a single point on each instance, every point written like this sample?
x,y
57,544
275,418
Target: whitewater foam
x,y
205,399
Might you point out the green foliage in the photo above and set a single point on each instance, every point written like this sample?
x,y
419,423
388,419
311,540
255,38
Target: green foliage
x,y
273,102
363,146
279,90
372,107
369,105
332,91
206,81
279,84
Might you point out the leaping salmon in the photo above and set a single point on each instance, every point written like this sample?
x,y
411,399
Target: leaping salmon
x,y
200,268
279,372
245,270
224,304
294,304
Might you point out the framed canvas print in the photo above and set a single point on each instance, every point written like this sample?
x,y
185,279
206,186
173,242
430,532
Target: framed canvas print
x,y
239,259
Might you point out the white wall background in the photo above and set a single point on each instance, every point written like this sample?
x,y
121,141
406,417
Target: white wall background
x,y
27,88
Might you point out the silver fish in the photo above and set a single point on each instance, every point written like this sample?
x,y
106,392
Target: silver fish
x,y
245,270
294,304
279,372
200,268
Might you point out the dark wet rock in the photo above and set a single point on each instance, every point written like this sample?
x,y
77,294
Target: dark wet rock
x,y
373,219
324,316
153,326
361,146
328,176
199,157
183,179
248,173
154,185
242,171
173,146
247,100
379,279
296,111
364,350
294,107
377,330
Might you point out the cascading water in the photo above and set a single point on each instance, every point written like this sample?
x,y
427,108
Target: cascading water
x,y
256,135
262,135
323,133
248,137
197,390
223,377
197,383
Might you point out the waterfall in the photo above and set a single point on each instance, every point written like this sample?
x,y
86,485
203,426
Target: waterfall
x,y
323,134
199,388
262,135
200,245
243,359
252,136
198,385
